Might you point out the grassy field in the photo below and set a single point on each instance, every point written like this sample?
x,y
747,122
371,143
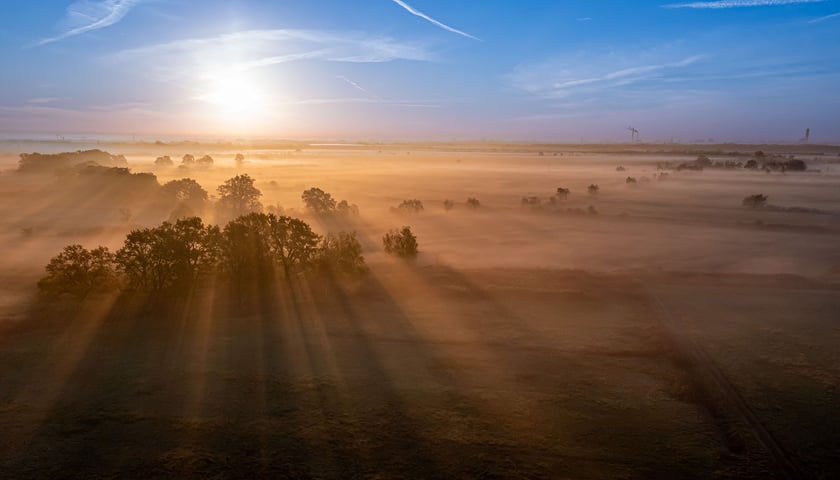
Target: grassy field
x,y
673,335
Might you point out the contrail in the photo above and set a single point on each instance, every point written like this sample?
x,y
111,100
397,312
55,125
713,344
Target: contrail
x,y
357,86
827,17
738,3
100,15
442,25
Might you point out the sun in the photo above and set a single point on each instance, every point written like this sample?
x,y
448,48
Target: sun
x,y
235,97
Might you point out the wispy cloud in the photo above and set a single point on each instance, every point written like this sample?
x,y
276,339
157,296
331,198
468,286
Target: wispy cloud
x,y
827,17
545,82
442,25
86,15
251,49
357,86
738,3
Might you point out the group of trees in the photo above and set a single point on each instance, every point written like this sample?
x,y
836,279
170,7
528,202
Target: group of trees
x,y
322,203
177,255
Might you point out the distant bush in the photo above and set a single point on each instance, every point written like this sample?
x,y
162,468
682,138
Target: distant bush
x,y
630,180
408,206
755,201
164,161
562,193
593,189
239,159
400,242
473,203
188,159
205,161
620,168
448,204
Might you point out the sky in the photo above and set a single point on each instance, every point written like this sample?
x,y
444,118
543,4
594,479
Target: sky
x,y
496,70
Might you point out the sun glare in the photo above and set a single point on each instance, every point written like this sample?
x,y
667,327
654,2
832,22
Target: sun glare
x,y
236,98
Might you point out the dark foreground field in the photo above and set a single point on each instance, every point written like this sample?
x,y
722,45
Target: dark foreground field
x,y
429,372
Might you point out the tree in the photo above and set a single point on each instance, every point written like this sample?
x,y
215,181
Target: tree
x,y
400,242
408,206
630,180
168,255
239,159
238,196
342,253
293,243
245,250
318,201
205,161
78,272
164,161
473,203
562,193
448,204
593,189
185,191
347,209
755,201
188,159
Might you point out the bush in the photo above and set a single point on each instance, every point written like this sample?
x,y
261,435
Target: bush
x,y
473,203
755,201
448,204
409,206
400,242
562,193
593,189
630,181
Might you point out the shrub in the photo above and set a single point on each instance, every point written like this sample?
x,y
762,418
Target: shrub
x,y
473,203
400,242
448,204
409,206
562,193
755,201
630,181
593,189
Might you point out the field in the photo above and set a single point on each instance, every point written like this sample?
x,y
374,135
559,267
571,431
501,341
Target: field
x,y
666,332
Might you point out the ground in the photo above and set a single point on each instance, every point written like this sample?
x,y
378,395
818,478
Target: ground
x,y
670,336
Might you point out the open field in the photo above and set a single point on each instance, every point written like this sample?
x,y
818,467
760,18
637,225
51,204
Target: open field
x,y
674,334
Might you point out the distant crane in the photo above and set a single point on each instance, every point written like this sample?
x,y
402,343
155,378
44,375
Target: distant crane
x,y
634,134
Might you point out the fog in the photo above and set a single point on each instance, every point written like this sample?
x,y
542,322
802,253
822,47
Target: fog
x,y
656,314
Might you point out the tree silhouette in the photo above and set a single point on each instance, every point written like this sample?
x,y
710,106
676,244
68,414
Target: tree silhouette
x,y
755,201
318,201
185,191
448,204
164,161
562,193
78,272
593,189
205,161
239,159
238,196
293,243
473,203
408,206
342,253
400,242
188,159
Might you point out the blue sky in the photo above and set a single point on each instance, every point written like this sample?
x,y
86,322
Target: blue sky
x,y
567,71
